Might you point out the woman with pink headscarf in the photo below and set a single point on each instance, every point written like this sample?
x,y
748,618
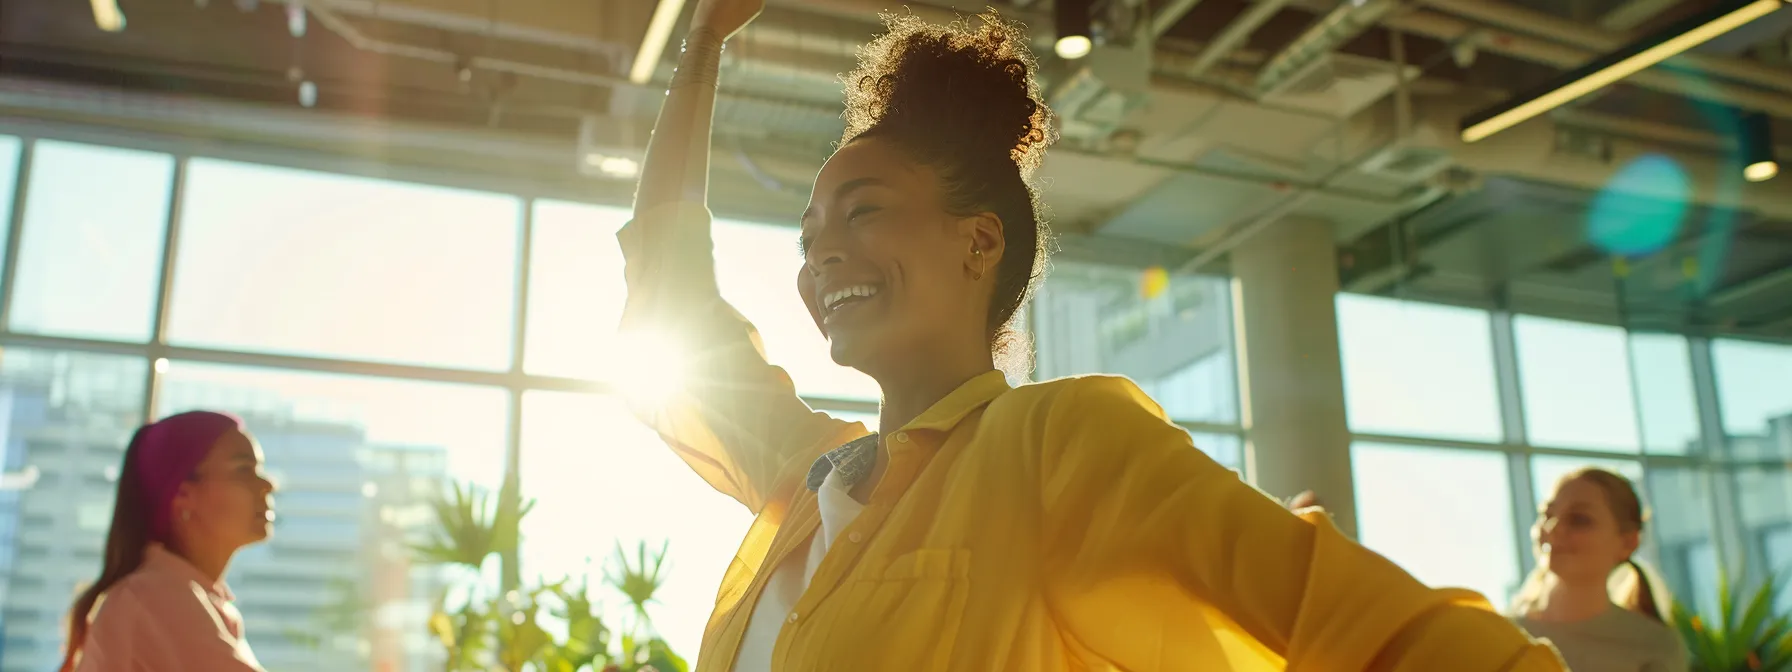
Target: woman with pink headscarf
x,y
191,493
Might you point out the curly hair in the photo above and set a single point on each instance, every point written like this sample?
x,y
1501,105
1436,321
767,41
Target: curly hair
x,y
961,99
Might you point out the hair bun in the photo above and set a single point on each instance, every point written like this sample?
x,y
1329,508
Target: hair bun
x,y
968,84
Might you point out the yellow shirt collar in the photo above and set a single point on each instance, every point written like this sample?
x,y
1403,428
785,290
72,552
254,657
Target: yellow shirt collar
x,y
974,394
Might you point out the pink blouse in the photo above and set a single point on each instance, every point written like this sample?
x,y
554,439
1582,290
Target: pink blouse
x,y
167,617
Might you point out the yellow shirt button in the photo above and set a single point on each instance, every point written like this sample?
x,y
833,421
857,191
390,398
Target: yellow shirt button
x,y
792,618
902,437
855,537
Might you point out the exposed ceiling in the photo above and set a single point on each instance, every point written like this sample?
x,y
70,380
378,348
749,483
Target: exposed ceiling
x,y
1174,144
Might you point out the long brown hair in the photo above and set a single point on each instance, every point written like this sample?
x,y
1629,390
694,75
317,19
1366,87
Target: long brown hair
x,y
1638,593
125,544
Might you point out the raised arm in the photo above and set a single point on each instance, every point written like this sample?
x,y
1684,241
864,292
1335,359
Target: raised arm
x,y
1128,494
735,419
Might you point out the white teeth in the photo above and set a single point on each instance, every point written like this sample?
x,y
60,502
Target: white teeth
x,y
835,297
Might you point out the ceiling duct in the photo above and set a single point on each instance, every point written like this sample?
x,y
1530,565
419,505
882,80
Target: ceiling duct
x,y
1531,151
1338,85
1322,39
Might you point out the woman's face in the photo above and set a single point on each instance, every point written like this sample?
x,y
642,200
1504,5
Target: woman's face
x,y
890,277
1577,535
229,501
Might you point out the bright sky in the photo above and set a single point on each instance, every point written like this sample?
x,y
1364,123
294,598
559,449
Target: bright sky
x,y
285,261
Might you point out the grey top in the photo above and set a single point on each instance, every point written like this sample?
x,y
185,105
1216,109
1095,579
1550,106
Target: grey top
x,y
1619,640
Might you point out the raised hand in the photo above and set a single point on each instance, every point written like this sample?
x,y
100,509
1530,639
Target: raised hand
x,y
1304,500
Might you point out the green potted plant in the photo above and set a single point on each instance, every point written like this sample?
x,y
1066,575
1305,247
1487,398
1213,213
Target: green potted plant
x,y
1742,635
491,632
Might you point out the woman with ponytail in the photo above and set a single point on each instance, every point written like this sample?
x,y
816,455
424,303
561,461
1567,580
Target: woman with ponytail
x,y
1588,531
190,494
1063,525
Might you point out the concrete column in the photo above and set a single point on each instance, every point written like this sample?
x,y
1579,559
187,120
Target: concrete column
x,y
1291,378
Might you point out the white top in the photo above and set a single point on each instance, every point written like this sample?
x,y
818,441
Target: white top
x,y
786,586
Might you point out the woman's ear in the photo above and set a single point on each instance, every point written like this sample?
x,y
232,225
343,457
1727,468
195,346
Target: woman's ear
x,y
985,233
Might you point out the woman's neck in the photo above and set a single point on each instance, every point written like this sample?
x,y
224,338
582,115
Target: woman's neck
x,y
910,391
1568,602
213,564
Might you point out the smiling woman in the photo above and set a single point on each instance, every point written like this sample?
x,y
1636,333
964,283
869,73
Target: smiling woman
x,y
987,527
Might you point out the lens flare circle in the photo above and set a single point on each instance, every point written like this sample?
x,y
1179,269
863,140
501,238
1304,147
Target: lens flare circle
x,y
1642,208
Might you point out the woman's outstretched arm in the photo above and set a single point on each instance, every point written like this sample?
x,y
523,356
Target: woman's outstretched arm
x,y
734,418
1127,495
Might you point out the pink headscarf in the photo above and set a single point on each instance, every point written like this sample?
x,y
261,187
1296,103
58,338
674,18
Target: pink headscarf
x,y
168,451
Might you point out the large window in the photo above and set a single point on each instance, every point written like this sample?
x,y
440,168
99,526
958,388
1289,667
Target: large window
x,y
576,290
65,418
1756,400
1172,334
1666,405
1440,514
95,220
296,262
1418,369
1577,390
1555,396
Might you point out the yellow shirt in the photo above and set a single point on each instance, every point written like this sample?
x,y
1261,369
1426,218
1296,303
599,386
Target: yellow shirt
x,y
1064,525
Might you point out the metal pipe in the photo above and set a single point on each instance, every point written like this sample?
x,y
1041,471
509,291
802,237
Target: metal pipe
x,y
1276,212
1342,24
1169,15
1450,29
1235,34
1514,17
410,14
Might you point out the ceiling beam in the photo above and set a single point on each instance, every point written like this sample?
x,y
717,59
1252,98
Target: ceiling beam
x,y
1170,14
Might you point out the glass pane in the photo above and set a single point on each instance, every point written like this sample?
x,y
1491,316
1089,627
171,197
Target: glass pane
x,y
1576,384
602,481
1170,334
1681,527
1764,498
1225,449
1752,388
576,290
91,254
1418,369
1669,411
1444,515
304,263
358,461
757,266
66,418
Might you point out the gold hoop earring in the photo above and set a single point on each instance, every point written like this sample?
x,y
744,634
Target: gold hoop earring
x,y
982,264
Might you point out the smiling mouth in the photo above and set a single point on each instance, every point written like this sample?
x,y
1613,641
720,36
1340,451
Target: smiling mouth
x,y
845,298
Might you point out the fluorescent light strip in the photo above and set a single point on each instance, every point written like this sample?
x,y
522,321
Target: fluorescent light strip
x,y
659,29
106,15
1629,66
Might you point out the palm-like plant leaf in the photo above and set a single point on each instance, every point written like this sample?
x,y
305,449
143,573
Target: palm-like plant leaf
x,y
468,528
1743,634
639,580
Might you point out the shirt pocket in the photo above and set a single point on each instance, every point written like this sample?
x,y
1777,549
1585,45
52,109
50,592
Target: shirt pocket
x,y
907,616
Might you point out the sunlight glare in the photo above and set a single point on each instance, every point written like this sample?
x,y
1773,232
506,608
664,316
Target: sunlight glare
x,y
649,368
